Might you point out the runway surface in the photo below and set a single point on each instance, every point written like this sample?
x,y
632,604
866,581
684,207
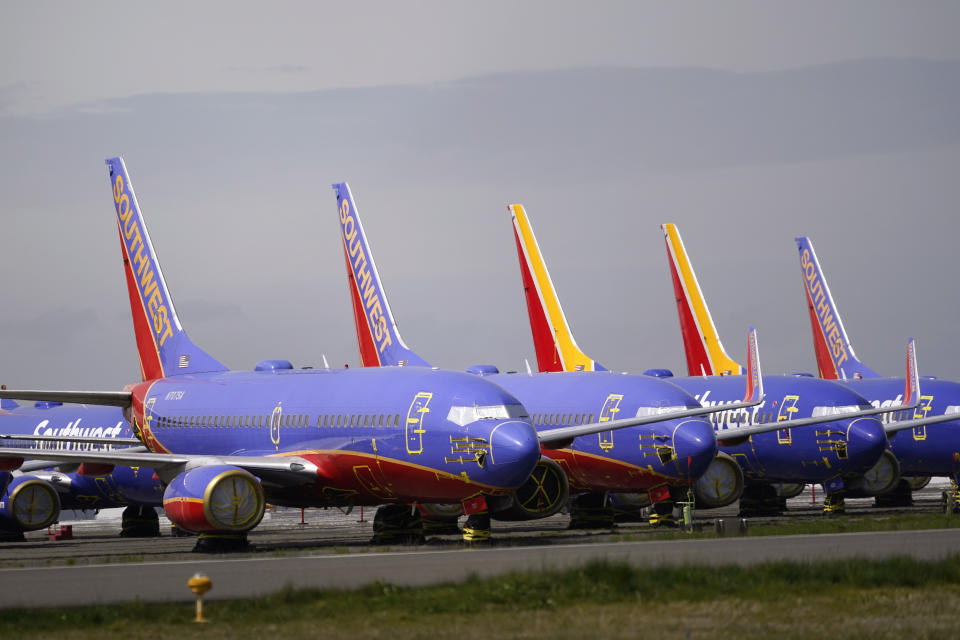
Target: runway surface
x,y
330,550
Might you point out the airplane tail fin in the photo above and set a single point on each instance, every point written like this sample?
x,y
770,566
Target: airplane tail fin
x,y
378,339
165,350
705,353
552,339
835,357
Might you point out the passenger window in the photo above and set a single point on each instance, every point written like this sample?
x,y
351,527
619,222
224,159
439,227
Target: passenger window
x,y
396,420
381,419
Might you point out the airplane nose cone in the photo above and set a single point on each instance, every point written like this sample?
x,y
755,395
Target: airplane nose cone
x,y
514,452
866,441
696,447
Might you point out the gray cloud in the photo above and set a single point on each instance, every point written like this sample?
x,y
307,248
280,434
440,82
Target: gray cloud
x,y
861,156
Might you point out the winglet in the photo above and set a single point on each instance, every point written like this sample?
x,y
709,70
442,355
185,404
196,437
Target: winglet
x,y
552,339
835,356
754,375
911,391
705,353
165,349
378,338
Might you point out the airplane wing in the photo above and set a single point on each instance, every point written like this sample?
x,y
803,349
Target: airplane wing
x,y
75,439
753,395
900,425
281,470
105,398
911,399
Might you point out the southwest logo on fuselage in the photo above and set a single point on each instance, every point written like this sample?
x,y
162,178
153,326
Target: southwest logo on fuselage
x,y
366,285
818,298
137,254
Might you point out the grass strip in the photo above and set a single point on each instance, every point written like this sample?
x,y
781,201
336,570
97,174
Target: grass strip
x,y
599,586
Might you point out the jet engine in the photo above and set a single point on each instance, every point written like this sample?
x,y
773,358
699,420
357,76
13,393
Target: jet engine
x,y
543,494
214,498
29,504
721,484
881,478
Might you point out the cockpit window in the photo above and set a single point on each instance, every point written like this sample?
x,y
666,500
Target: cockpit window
x,y
465,415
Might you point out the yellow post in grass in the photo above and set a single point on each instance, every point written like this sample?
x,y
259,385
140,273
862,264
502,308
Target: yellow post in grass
x,y
199,584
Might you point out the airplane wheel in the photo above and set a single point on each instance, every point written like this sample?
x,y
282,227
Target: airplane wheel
x,y
139,521
917,482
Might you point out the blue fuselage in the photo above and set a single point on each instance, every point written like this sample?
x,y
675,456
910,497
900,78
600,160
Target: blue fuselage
x,y
813,454
376,435
923,451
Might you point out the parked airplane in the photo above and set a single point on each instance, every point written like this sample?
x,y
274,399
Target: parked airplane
x,y
37,494
845,440
932,445
648,458
705,355
224,442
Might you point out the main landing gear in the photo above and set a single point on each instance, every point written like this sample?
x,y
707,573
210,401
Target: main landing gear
x,y
397,524
760,499
589,511
139,521
221,542
950,501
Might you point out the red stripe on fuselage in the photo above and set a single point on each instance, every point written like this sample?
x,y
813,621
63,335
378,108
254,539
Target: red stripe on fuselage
x,y
592,472
350,477
548,358
150,365
693,346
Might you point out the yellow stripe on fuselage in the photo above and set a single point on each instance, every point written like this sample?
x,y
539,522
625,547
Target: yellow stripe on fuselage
x,y
719,359
571,356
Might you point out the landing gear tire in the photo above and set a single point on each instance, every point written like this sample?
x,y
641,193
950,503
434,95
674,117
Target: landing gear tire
x,y
11,534
834,504
899,496
476,530
918,482
760,499
222,542
661,514
397,524
139,521
589,511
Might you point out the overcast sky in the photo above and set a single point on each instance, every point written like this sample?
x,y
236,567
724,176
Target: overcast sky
x,y
746,123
